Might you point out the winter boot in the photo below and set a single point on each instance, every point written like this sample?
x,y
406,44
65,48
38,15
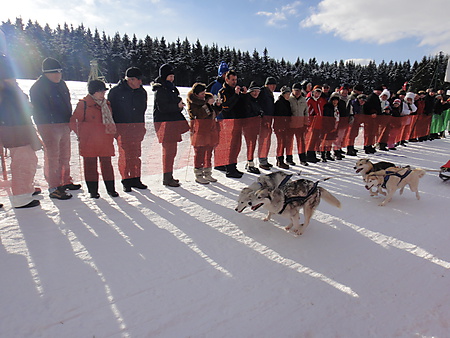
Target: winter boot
x,y
127,183
303,159
323,156
290,160
169,180
207,172
136,183
338,155
111,188
93,189
250,166
281,164
232,171
311,157
351,151
60,193
199,176
328,156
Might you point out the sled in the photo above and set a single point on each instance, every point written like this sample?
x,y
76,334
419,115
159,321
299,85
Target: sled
x,y
444,174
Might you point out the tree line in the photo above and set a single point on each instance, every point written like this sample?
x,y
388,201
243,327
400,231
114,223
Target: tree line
x,y
28,44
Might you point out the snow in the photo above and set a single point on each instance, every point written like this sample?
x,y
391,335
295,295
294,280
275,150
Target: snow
x,y
180,262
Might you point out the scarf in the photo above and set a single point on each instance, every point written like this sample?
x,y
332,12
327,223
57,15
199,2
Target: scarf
x,y
107,119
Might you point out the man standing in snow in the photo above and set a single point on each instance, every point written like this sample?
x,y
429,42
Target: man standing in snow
x,y
129,102
217,84
267,102
52,111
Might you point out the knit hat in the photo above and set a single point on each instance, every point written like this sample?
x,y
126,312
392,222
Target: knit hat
x,y
6,71
165,70
95,86
378,88
198,88
398,101
134,72
271,81
285,89
253,86
51,65
317,87
359,87
297,86
362,97
223,68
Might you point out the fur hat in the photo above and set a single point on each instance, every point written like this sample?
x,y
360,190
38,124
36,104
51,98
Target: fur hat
x,y
134,72
223,68
271,81
95,86
51,65
165,70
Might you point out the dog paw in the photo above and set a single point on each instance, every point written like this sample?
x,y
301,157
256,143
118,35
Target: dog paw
x,y
266,219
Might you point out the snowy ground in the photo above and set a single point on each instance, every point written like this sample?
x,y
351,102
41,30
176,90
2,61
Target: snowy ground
x,y
180,262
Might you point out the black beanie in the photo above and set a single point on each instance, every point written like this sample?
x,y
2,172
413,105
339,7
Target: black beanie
x,y
297,86
134,72
95,86
271,81
165,70
51,65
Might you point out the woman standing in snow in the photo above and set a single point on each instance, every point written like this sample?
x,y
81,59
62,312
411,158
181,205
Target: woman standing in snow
x,y
169,122
204,130
93,123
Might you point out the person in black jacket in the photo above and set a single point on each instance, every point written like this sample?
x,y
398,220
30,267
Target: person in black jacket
x,y
281,124
231,96
251,122
52,110
372,109
168,120
18,134
129,102
267,102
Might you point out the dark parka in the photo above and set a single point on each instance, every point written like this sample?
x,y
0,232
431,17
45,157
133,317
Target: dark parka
x,y
282,115
51,101
16,128
128,104
165,109
232,103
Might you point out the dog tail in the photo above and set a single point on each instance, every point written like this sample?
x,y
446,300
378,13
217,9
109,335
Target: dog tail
x,y
420,172
326,195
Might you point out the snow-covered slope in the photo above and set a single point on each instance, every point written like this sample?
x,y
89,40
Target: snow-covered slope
x,y
181,262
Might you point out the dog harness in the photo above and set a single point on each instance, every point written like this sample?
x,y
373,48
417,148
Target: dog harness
x,y
390,173
284,181
301,199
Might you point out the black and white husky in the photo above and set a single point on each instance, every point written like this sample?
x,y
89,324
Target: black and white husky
x,y
287,200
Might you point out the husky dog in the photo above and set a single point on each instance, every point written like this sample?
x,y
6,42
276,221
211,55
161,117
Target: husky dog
x,y
290,197
269,181
364,167
393,179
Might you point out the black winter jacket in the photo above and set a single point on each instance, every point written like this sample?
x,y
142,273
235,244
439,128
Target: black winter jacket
x,y
128,105
51,101
167,98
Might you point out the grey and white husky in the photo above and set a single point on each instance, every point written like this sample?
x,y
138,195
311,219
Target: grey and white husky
x,y
287,200
269,181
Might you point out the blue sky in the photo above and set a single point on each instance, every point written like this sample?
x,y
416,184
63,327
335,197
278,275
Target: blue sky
x,y
328,30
